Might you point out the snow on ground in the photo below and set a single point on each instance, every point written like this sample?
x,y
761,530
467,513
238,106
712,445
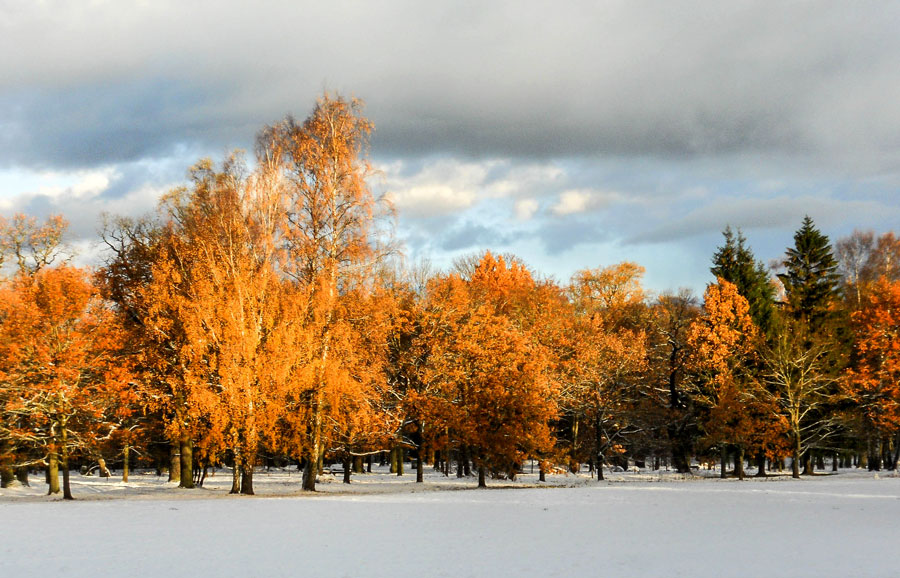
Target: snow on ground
x,y
649,524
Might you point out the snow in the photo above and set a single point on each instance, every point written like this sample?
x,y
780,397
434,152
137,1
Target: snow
x,y
648,524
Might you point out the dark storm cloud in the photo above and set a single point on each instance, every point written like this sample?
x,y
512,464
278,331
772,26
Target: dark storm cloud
x,y
117,81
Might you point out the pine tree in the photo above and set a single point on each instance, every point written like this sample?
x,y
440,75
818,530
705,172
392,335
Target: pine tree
x,y
811,280
735,263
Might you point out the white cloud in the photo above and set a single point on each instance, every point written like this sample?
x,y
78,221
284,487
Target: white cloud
x,y
431,200
572,202
525,209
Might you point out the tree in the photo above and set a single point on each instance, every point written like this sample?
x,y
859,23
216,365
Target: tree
x,y
222,290
32,245
735,263
800,381
607,353
329,238
873,379
486,375
669,351
723,352
60,370
810,279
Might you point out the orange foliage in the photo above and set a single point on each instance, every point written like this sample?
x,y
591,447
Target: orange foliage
x,y
873,381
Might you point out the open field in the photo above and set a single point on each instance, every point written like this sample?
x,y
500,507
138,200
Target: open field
x,y
632,525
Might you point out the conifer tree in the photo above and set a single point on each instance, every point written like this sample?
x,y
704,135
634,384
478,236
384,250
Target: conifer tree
x,y
735,263
811,280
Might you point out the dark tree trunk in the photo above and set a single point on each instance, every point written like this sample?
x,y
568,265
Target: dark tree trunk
x,y
739,463
400,457
834,461
724,458
807,463
420,467
345,462
481,477
64,463
761,464
310,472
542,476
247,477
22,475
7,476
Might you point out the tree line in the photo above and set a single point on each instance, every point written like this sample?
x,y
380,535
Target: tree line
x,y
263,317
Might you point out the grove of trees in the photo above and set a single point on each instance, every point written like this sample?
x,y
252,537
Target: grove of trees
x,y
262,316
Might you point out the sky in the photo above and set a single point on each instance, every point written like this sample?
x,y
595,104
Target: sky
x,y
574,135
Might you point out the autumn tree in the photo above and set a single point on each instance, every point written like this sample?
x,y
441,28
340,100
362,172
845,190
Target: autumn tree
x,y
487,376
723,351
329,236
608,352
671,317
61,371
217,281
873,379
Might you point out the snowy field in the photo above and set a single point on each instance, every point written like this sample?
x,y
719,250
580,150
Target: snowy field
x,y
649,524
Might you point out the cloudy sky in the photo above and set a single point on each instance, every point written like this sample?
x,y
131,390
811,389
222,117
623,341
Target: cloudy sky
x,y
573,134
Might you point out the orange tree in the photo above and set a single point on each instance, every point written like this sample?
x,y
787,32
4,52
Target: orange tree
x,y
330,244
723,356
61,372
486,375
601,364
873,379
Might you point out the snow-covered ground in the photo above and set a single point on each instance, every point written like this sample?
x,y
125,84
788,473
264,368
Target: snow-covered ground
x,y
649,524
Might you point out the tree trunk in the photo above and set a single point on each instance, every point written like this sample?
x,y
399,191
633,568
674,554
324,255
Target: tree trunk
x,y
186,448
64,462
310,472
174,463
724,458
542,476
761,464
7,476
125,455
345,461
316,453
236,474
795,459
481,477
739,463
896,452
247,477
420,467
834,461
52,472
22,475
399,450
807,463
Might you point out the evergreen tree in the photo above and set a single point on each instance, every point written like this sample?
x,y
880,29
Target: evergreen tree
x,y
811,279
735,263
